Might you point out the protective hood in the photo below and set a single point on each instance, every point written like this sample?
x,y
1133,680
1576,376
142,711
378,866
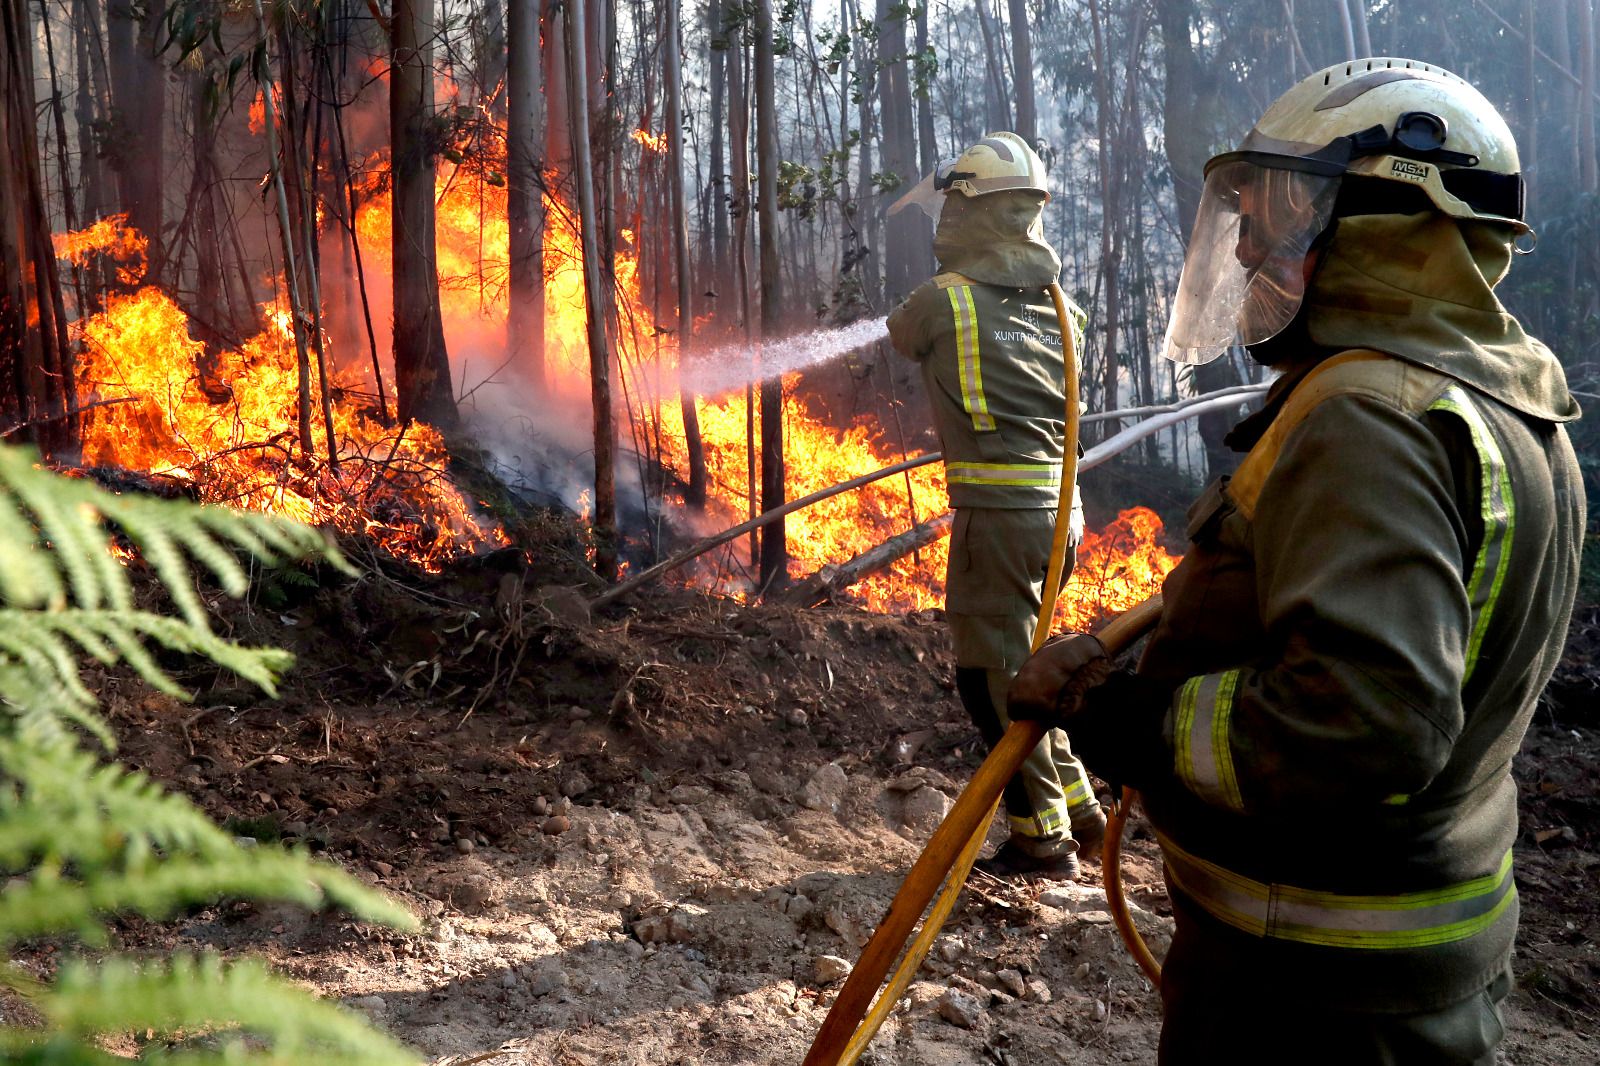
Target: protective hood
x,y
1421,288
996,239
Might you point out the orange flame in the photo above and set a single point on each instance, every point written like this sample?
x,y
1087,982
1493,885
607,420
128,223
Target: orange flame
x,y
111,237
650,142
228,424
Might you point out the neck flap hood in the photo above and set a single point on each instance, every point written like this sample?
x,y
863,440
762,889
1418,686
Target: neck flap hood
x,y
996,239
1421,288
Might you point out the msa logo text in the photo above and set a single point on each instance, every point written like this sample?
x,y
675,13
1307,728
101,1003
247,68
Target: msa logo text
x,y
1406,170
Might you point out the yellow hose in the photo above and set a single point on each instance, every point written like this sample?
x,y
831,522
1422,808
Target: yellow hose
x,y
946,901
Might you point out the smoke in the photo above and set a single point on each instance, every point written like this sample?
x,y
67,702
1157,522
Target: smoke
x,y
720,370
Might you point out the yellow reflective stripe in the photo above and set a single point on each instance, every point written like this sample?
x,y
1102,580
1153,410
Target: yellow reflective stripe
x,y
1499,517
1023,474
1204,753
1284,912
1079,794
967,358
1044,823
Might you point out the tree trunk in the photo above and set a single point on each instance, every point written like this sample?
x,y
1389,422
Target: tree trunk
x,y
866,204
605,492
138,93
695,495
1588,163
558,116
493,58
908,242
1110,247
924,93
93,92
1186,127
995,98
1349,32
739,147
421,364
524,197
718,46
286,232
1022,63
35,371
1363,33
774,548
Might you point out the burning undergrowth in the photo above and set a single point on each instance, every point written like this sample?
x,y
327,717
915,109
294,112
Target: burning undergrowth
x,y
224,417
156,400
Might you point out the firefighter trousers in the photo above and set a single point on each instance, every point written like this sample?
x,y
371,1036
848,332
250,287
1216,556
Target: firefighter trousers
x,y
996,576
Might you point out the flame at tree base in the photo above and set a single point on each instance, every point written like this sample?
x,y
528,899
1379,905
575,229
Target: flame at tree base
x,y
231,430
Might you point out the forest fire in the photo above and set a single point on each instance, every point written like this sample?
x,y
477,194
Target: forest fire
x,y
226,420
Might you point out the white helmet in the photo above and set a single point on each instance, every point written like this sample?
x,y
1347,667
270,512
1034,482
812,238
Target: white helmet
x,y
1001,161
1394,120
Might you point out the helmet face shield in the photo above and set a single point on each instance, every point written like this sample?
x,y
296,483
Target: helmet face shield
x,y
1244,276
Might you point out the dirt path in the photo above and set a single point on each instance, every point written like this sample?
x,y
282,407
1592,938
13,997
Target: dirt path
x,y
666,842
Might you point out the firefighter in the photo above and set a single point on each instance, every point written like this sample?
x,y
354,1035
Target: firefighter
x,y
1323,722
986,335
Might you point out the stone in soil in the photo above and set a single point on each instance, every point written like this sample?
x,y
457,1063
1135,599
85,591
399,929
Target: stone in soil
x,y
959,1009
825,790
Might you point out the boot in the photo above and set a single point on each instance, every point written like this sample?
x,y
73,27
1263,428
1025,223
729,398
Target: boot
x,y
1011,862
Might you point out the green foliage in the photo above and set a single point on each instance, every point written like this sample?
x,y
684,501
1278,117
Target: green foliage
x,y
88,839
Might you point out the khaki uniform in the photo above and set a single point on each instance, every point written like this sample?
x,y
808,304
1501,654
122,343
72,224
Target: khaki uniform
x,y
1358,637
986,336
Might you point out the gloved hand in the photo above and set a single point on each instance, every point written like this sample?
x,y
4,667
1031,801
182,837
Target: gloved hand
x,y
1050,686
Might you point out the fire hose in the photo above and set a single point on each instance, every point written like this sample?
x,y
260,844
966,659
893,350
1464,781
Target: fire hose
x,y
948,857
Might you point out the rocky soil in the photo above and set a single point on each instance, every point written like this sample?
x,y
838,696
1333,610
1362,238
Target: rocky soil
x,y
662,835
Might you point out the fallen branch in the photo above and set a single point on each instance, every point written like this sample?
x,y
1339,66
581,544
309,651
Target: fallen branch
x,y
698,549
1170,415
59,415
822,586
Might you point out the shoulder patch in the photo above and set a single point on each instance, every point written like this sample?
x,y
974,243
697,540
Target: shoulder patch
x,y
1357,372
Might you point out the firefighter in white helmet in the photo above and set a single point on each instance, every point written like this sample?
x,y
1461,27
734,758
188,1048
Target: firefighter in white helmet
x,y
985,333
1323,723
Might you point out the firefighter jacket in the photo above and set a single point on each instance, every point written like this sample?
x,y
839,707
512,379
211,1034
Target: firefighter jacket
x,y
985,333
1362,626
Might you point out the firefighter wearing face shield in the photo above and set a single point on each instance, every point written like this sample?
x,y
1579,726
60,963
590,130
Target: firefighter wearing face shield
x,y
1322,724
986,335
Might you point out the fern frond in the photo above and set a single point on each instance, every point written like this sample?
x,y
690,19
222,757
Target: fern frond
x,y
194,993
43,642
27,575
24,1047
71,516
48,902
65,806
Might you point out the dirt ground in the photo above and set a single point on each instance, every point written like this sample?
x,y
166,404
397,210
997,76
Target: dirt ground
x,y
659,835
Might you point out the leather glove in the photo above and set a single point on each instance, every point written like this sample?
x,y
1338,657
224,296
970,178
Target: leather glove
x,y
1050,686
1118,731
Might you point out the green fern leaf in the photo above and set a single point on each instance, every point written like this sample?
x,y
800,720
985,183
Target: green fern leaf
x,y
199,993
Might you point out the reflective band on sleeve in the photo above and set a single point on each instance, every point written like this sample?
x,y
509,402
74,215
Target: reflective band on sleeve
x,y
1283,912
1499,517
1018,474
1203,753
967,359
